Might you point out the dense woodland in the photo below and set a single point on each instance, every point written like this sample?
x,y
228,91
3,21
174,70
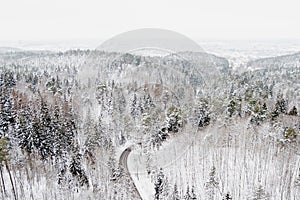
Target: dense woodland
x,y
64,116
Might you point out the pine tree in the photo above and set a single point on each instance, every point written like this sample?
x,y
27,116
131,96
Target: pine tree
x,y
202,113
290,134
258,114
89,131
147,102
134,111
264,110
260,194
227,197
43,137
293,111
69,126
280,106
192,193
7,117
114,169
175,194
174,119
211,184
77,171
159,185
24,129
187,195
231,108
56,126
166,189
120,101
274,114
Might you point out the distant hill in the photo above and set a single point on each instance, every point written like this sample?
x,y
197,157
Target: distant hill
x,y
284,61
206,61
9,49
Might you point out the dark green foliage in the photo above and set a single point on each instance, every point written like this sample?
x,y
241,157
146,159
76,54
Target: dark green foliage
x,y
77,171
174,119
290,134
134,110
114,169
187,195
7,80
202,117
159,185
174,122
54,85
293,111
175,195
259,113
3,149
24,129
260,194
227,197
212,184
6,112
231,108
274,114
190,194
280,108
43,132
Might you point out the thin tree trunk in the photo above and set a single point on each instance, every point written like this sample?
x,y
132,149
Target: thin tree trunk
x,y
2,179
11,180
15,182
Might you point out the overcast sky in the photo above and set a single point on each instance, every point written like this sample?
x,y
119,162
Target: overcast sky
x,y
198,19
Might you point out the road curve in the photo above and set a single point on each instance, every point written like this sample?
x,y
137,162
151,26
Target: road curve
x,y
123,164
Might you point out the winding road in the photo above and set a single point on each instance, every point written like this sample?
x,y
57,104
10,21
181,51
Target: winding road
x,y
123,164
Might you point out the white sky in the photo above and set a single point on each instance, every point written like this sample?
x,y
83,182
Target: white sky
x,y
199,19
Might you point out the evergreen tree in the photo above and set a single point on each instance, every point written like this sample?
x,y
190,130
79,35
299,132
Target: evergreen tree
x,y
227,197
202,113
43,137
174,119
231,108
280,106
290,134
175,194
212,184
147,102
192,194
134,111
89,131
260,194
77,171
7,117
274,114
187,195
114,169
264,108
159,185
24,129
64,127
293,111
258,114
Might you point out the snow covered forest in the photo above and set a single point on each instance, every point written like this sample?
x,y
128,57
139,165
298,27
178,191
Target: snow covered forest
x,y
197,128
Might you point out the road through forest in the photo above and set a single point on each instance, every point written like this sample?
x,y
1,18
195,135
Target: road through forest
x,y
124,164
